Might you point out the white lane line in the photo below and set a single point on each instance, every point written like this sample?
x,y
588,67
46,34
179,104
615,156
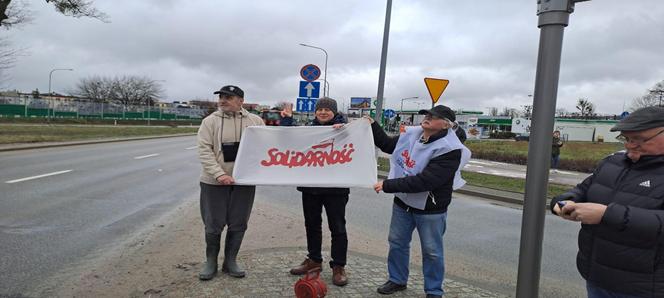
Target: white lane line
x,y
472,166
567,173
146,156
481,163
38,176
191,148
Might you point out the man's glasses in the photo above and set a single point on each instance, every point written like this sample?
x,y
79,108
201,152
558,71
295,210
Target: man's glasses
x,y
636,141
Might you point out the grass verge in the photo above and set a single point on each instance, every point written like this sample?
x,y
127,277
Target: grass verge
x,y
45,133
492,181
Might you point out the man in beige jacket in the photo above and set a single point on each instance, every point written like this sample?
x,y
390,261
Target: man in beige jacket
x,y
222,202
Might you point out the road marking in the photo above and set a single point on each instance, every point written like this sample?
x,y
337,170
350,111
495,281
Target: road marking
x,y
472,166
567,173
38,176
481,163
191,148
146,156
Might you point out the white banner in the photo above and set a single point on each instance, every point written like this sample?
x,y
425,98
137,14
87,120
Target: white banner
x,y
307,156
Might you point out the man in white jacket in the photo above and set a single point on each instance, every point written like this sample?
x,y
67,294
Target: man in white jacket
x,y
222,202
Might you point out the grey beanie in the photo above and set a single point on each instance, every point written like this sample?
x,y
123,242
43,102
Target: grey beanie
x,y
326,102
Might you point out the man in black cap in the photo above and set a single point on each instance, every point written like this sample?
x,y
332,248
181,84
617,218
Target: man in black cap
x,y
424,169
224,204
621,210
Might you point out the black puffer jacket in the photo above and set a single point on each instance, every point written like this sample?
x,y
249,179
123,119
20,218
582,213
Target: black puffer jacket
x,y
338,119
625,251
437,177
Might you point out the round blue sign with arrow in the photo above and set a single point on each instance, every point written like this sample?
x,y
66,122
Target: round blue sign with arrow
x,y
310,72
389,113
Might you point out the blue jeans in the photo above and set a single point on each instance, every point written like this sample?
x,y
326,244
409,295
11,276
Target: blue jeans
x,y
554,161
597,292
431,228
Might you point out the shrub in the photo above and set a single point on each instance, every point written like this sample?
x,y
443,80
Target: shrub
x,y
502,135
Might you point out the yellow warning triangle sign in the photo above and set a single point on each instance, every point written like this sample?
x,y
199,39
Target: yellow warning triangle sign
x,y
436,87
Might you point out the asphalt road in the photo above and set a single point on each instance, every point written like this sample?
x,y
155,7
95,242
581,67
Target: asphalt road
x,y
481,241
110,191
99,194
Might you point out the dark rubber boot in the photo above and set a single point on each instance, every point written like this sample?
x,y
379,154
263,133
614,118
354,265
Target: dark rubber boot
x,y
212,253
231,248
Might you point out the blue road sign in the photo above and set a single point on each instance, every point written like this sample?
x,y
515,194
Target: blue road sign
x,y
306,105
309,89
624,114
310,72
389,113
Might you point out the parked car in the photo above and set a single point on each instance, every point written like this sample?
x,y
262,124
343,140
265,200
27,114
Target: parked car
x,y
522,137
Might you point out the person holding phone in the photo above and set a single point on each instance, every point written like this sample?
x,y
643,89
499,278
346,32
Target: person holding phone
x,y
621,211
222,203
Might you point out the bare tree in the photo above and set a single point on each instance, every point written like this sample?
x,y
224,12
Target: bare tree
x,y
7,59
96,88
510,112
127,90
15,12
561,112
527,111
493,111
585,107
654,97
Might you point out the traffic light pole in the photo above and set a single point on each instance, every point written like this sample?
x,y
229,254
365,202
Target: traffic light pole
x,y
553,17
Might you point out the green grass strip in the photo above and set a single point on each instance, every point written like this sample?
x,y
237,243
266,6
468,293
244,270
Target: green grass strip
x,y
42,133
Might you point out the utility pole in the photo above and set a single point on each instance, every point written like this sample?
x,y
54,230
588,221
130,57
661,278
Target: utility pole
x,y
553,17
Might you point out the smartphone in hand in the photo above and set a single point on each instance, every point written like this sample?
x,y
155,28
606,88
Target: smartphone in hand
x,y
562,204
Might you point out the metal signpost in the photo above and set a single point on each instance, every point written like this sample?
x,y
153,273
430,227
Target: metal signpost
x,y
553,18
383,62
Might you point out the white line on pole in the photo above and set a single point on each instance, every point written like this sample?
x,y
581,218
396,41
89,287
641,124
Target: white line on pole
x,y
38,176
146,156
191,148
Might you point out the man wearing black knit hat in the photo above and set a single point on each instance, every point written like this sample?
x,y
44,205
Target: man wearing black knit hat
x,y
621,210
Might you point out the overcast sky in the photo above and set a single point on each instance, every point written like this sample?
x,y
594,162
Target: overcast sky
x,y
613,50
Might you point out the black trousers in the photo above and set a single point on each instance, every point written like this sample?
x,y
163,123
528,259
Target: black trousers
x,y
335,209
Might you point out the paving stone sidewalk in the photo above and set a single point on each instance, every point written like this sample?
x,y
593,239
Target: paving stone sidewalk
x,y
268,276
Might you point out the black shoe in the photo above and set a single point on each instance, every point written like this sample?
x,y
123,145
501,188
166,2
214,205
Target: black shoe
x,y
390,288
434,296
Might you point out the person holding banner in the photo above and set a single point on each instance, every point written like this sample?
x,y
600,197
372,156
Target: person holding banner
x,y
314,199
424,169
222,203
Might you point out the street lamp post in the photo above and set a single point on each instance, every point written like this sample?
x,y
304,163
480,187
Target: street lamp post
x,y
50,75
325,89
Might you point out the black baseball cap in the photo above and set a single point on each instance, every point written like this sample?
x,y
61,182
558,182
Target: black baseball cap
x,y
642,119
231,90
440,112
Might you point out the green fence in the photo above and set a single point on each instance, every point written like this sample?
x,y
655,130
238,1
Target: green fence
x,y
14,110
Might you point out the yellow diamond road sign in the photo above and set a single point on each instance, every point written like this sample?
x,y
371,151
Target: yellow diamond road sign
x,y
436,87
